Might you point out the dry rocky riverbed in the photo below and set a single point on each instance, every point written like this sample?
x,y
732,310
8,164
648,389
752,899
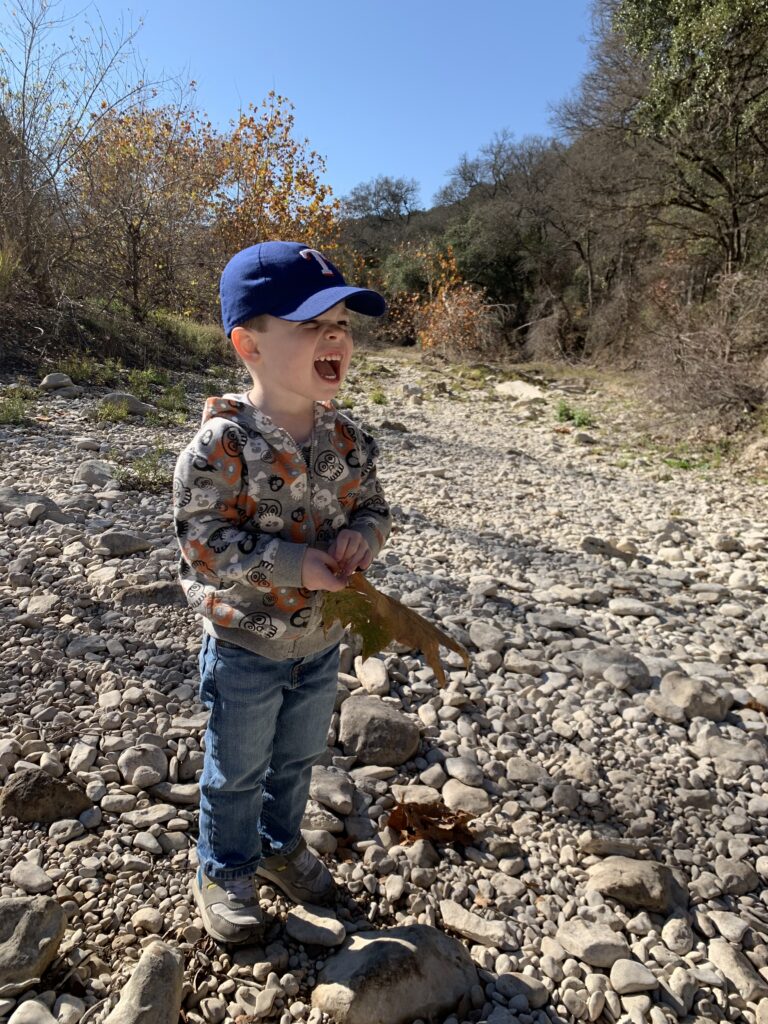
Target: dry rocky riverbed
x,y
607,747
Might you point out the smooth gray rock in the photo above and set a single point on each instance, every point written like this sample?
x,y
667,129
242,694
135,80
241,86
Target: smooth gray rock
x,y
314,926
54,381
377,733
617,666
737,969
629,976
516,984
374,677
698,698
332,789
471,799
637,884
32,1012
31,878
122,542
134,405
391,976
485,636
472,926
94,471
31,794
31,930
153,992
143,765
595,944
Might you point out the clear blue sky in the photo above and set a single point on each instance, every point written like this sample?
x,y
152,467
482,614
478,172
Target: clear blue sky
x,y
397,87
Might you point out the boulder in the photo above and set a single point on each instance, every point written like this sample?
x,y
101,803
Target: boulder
x,y
617,666
390,977
134,406
122,542
143,765
31,794
377,733
637,884
698,698
31,930
95,472
54,381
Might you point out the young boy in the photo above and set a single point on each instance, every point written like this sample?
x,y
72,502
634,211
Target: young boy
x,y
275,500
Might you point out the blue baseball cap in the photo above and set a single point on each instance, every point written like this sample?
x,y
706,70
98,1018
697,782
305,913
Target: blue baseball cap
x,y
287,280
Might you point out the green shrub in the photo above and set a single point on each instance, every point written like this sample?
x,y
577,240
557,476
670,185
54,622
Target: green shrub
x,y
147,473
141,382
84,369
112,412
12,410
578,417
378,397
173,399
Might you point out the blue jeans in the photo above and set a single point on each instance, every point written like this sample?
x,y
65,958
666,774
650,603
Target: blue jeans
x,y
268,726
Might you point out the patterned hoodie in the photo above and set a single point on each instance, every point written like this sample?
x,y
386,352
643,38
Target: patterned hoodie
x,y
247,503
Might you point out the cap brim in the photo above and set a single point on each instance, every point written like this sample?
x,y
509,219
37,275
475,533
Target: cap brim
x,y
359,300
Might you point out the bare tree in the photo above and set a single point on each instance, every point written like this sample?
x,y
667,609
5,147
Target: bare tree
x,y
54,96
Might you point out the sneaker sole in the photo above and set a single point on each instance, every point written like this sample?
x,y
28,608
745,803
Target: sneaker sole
x,y
255,936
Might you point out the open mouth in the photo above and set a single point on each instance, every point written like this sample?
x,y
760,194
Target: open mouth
x,y
329,368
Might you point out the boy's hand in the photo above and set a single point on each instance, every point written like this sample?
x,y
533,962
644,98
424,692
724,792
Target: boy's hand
x,y
352,551
318,571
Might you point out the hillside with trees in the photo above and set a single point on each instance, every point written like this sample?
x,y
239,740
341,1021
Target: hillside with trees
x,y
635,235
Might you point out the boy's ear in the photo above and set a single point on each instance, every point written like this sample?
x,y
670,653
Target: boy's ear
x,y
245,342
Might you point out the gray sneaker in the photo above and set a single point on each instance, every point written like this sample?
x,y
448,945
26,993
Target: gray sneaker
x,y
300,875
230,910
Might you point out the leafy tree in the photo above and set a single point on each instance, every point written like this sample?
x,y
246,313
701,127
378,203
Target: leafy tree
x,y
383,199
270,183
143,189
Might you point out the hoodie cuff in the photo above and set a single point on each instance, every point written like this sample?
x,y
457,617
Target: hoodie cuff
x,y
369,535
288,562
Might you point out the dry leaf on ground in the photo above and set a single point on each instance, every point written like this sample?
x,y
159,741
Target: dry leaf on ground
x,y
431,821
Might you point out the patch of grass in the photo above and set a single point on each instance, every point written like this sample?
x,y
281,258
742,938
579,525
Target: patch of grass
x,y
346,402
13,411
566,413
378,397
84,369
142,382
111,412
173,399
24,391
148,473
197,344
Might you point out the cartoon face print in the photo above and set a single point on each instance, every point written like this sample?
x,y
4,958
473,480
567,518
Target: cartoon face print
x,y
269,515
322,500
329,466
353,459
326,532
300,619
298,515
298,487
258,578
261,623
276,482
233,440
182,495
220,539
195,594
206,437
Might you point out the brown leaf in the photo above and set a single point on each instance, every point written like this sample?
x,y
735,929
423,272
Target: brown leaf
x,y
755,705
431,821
380,619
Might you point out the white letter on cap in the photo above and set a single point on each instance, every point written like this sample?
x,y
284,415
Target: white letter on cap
x,y
313,254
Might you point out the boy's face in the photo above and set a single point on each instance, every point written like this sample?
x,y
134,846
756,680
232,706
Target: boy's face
x,y
299,362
